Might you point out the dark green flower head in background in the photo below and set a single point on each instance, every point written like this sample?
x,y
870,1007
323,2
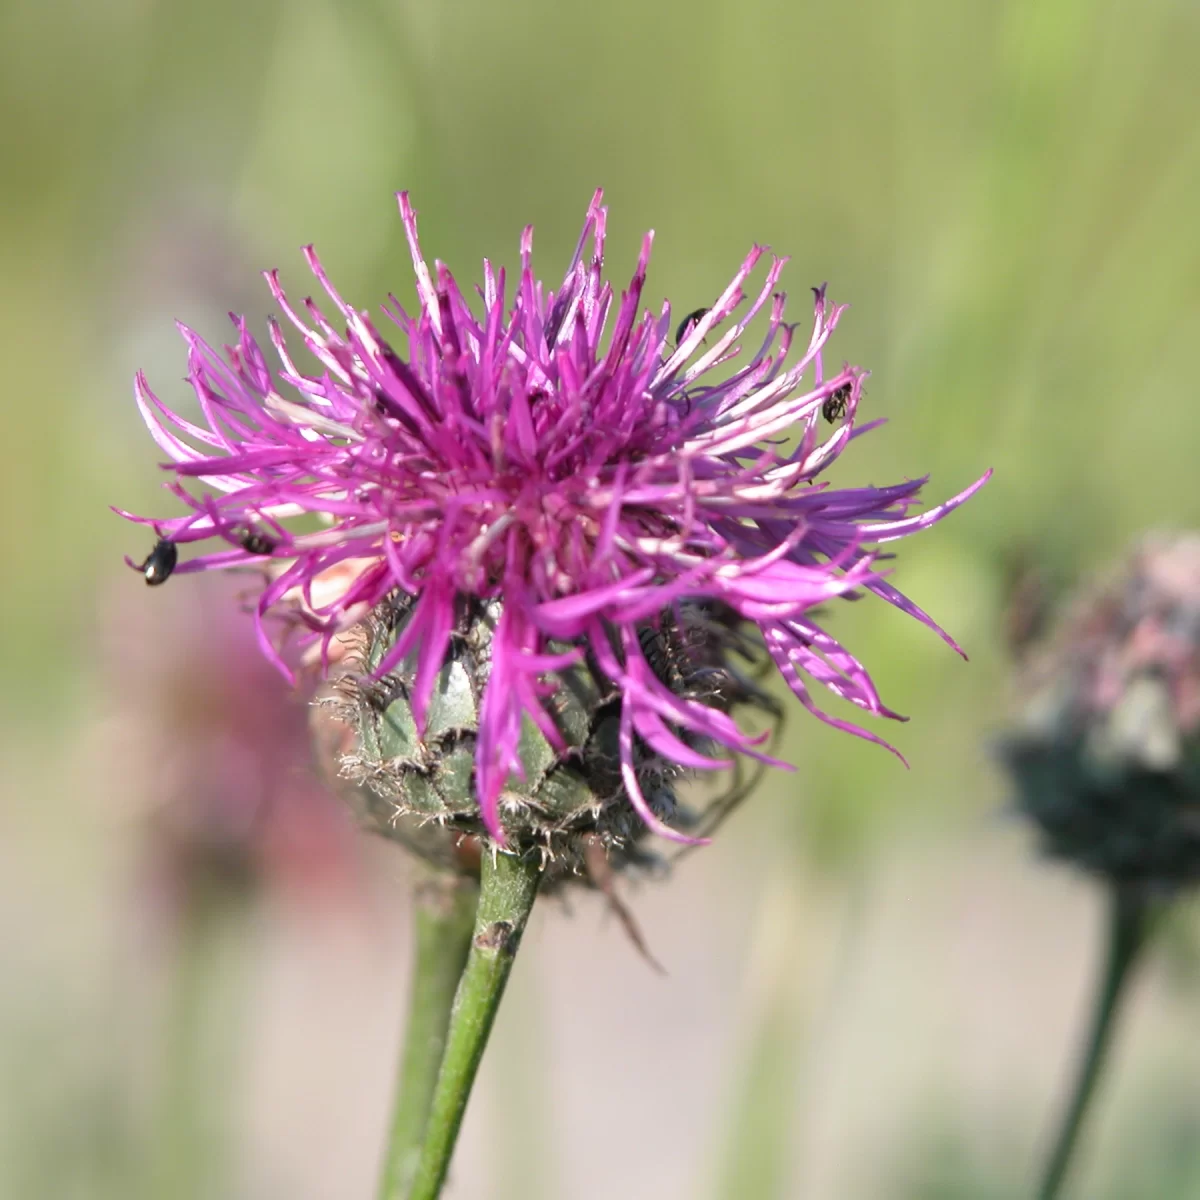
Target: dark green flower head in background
x,y
1106,753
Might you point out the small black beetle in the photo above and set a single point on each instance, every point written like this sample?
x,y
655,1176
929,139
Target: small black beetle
x,y
257,543
160,562
685,326
835,403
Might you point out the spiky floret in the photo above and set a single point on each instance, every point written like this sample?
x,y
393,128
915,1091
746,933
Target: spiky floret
x,y
514,453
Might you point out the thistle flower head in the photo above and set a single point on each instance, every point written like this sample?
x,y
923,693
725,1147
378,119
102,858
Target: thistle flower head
x,y
1106,754
555,466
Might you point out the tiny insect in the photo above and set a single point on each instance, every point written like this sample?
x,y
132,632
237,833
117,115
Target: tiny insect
x,y
835,403
160,562
689,323
257,543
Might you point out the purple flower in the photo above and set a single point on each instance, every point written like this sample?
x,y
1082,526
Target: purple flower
x,y
512,452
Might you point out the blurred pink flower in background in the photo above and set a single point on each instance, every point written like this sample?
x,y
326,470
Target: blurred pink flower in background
x,y
213,750
1106,750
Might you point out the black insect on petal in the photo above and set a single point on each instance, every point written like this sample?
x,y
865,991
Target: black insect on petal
x,y
160,562
689,323
257,543
835,403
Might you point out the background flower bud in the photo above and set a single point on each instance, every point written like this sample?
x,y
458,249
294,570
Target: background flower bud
x,y
1106,753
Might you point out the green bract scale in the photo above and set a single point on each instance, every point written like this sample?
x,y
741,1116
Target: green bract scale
x,y
419,787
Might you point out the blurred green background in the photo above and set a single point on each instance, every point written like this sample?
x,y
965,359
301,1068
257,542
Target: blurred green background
x,y
874,989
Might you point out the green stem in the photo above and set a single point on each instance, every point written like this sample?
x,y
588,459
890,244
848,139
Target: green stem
x,y
1128,926
190,1137
445,911
508,887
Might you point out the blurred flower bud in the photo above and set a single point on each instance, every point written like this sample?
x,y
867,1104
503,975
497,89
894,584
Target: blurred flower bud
x,y
1106,752
213,751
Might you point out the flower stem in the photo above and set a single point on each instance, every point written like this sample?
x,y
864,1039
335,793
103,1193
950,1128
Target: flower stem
x,y
191,1135
508,886
445,911
1128,926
